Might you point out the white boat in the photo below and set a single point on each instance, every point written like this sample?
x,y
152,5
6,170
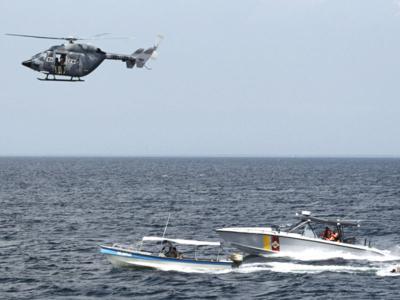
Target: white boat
x,y
300,237
167,257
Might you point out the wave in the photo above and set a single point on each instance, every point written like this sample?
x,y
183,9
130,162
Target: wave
x,y
318,255
282,267
386,272
330,262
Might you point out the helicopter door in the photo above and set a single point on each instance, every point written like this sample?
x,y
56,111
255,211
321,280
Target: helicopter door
x,y
60,63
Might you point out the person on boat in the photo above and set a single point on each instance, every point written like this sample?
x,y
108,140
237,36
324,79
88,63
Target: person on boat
x,y
170,250
326,235
334,236
166,249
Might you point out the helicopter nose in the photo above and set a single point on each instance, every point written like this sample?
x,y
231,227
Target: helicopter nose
x,y
27,63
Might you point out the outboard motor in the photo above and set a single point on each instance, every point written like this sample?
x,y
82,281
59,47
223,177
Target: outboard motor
x,y
237,259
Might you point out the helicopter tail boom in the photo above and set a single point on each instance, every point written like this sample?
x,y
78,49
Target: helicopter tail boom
x,y
130,60
138,58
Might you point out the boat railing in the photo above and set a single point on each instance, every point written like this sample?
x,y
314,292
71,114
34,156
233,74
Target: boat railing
x,y
277,228
298,225
366,241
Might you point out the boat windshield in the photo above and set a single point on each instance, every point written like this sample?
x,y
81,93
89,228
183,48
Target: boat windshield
x,y
309,231
305,229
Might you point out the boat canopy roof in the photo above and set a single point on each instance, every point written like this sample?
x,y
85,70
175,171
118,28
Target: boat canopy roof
x,y
305,216
181,241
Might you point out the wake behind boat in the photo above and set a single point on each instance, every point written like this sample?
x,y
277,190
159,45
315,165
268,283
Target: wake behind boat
x,y
168,258
300,237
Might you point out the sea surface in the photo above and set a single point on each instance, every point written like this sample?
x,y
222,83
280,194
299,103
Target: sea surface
x,y
56,211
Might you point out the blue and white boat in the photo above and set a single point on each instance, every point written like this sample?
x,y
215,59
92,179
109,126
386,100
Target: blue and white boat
x,y
167,257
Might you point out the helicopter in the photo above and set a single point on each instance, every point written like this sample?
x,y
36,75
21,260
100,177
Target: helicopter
x,y
73,60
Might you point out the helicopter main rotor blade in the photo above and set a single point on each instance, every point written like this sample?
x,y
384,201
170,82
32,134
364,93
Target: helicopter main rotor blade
x,y
44,37
106,36
111,38
101,36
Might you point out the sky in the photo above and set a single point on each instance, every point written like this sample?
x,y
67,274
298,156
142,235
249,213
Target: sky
x,y
232,78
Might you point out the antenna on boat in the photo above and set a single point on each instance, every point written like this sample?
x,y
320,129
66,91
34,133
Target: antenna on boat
x,y
166,225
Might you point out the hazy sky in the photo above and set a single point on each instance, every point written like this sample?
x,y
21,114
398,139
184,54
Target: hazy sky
x,y
254,78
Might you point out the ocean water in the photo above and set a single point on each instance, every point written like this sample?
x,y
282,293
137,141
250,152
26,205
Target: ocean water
x,y
55,212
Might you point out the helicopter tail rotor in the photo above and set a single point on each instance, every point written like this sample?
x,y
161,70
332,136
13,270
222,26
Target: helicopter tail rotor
x,y
159,39
150,53
141,56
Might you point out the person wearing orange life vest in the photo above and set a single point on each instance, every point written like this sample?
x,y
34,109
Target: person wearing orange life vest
x,y
326,235
334,236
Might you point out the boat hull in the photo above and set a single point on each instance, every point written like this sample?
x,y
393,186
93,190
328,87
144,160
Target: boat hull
x,y
260,241
138,259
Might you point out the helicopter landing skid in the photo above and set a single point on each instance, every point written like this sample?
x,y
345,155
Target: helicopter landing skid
x,y
72,79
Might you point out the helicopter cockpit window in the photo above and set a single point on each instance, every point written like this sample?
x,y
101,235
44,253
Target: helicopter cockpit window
x,y
49,56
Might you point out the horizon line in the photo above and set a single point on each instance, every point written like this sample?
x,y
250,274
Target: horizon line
x,y
203,156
